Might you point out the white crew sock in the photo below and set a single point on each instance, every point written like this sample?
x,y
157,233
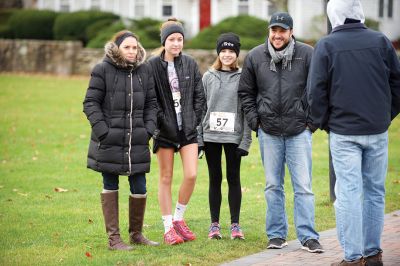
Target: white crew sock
x,y
179,211
167,221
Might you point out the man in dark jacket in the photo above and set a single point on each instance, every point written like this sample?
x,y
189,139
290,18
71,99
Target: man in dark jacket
x,y
272,88
354,93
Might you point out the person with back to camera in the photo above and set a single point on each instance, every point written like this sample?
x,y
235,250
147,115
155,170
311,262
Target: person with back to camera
x,y
121,107
180,98
273,92
224,127
354,94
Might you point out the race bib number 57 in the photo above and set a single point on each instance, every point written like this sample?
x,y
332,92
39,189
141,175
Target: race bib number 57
x,y
222,121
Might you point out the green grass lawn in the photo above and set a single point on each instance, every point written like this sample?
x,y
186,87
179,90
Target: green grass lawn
x,y
43,143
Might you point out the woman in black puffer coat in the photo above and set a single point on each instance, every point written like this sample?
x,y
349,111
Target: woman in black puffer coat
x,y
121,107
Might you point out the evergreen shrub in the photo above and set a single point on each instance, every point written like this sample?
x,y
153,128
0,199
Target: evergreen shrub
x,y
252,32
73,26
32,24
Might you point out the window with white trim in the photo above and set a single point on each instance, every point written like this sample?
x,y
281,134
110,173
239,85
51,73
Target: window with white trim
x,y
95,5
64,6
139,8
385,5
243,8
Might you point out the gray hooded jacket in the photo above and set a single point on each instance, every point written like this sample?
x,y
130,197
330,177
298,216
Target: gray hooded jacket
x,y
220,89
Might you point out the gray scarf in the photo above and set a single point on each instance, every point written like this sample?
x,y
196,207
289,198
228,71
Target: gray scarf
x,y
285,56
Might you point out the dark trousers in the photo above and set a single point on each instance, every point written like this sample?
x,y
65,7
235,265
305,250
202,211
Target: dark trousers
x,y
137,182
213,152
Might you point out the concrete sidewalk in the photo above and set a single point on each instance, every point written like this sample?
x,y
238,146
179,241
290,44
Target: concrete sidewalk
x,y
294,255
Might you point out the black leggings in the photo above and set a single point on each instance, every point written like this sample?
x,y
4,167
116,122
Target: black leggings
x,y
213,152
137,182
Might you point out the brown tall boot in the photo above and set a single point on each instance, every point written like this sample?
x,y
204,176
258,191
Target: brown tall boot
x,y
109,203
137,206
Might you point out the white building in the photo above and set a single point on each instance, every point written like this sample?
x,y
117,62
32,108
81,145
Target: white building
x,y
308,15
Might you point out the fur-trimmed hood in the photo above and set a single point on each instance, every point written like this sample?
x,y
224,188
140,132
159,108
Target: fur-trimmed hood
x,y
112,52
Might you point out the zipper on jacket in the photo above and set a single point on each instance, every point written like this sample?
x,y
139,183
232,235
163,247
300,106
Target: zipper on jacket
x,y
130,123
280,102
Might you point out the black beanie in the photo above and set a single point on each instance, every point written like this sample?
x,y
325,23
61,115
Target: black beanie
x,y
228,41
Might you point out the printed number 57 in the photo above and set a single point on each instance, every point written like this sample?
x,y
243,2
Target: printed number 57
x,y
221,121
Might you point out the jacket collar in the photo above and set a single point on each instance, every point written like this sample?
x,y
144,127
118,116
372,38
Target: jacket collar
x,y
218,73
350,26
177,60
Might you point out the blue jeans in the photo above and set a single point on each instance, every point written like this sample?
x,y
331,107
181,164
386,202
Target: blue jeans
x,y
360,164
296,152
137,182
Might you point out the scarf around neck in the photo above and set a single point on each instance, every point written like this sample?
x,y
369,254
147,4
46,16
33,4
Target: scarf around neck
x,y
285,56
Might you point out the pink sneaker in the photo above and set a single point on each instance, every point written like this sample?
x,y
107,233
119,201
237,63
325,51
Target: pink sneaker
x,y
172,238
236,232
183,230
214,231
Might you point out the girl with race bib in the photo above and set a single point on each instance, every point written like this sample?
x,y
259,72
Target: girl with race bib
x,y
180,97
224,127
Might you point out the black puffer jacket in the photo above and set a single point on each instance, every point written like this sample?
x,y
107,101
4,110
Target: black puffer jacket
x,y
192,98
121,107
277,101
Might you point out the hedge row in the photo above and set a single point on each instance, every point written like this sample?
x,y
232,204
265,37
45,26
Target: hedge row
x,y
50,25
79,25
252,32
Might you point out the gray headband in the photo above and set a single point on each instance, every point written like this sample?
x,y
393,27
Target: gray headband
x,y
121,38
168,30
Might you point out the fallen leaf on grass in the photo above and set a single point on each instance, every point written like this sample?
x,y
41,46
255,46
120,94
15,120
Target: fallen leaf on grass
x,y
34,158
87,254
48,197
90,221
23,194
245,189
396,181
60,189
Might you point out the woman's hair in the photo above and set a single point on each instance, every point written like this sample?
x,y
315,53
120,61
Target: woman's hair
x,y
217,65
116,38
171,22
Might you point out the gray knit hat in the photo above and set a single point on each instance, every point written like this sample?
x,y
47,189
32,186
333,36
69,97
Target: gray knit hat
x,y
170,29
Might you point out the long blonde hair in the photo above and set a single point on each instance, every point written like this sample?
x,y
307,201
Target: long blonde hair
x,y
171,21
